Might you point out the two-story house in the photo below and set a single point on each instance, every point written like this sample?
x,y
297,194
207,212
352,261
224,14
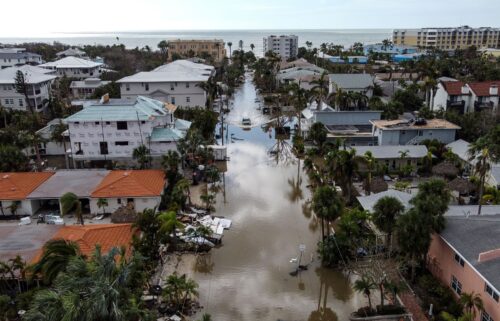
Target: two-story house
x,y
413,131
177,83
362,83
10,57
39,82
112,128
74,67
466,97
86,88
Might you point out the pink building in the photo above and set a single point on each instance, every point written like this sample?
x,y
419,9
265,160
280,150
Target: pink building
x,y
466,255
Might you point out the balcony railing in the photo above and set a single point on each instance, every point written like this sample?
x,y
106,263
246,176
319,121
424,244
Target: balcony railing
x,y
483,104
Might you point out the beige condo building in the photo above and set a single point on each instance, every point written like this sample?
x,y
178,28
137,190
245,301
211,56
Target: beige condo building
x,y
191,47
448,38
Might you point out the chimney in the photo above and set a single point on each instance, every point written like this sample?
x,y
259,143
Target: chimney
x,y
104,99
465,90
494,90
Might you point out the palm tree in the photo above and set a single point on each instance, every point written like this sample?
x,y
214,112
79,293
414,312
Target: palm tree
x,y
170,161
206,317
365,285
370,162
142,156
343,167
327,206
35,140
57,136
230,44
211,89
252,47
54,260
240,45
450,317
320,88
170,224
163,46
102,203
13,207
472,303
300,97
69,201
483,161
385,215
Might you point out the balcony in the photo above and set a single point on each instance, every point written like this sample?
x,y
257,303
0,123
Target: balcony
x,y
459,104
478,105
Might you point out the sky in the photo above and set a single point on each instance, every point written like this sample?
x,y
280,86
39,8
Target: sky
x,y
41,18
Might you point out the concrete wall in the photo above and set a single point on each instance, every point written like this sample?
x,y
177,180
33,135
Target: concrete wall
x,y
443,265
183,94
26,207
140,204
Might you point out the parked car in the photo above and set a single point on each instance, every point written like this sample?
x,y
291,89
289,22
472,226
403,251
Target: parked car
x,y
246,121
54,220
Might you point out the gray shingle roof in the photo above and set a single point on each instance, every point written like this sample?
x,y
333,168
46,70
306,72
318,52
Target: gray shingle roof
x,y
369,201
352,81
390,151
460,148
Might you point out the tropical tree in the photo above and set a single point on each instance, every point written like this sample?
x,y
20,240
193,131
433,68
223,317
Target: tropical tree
x,y
300,97
55,258
35,140
102,203
57,136
142,155
14,207
252,47
179,289
472,303
369,160
317,133
163,46
69,201
482,167
170,162
169,224
385,215
327,205
320,88
450,317
365,285
230,44
22,87
343,166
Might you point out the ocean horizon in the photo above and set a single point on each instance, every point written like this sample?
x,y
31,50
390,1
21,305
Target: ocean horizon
x,y
133,39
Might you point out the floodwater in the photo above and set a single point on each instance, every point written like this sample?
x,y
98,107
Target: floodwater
x,y
248,277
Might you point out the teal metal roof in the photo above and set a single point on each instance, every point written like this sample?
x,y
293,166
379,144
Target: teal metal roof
x,y
182,124
143,108
161,134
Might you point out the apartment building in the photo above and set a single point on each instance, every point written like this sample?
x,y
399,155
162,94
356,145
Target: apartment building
x,y
10,57
285,46
39,82
111,128
177,83
194,48
448,38
467,97
74,67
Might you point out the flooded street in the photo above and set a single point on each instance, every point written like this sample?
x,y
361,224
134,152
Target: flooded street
x,y
248,277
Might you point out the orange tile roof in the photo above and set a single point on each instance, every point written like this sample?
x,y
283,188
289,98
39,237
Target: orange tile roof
x,y
482,89
106,235
132,183
17,186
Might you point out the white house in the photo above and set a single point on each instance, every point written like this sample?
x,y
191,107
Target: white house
x,y
138,189
112,128
10,57
39,81
85,88
304,76
362,83
74,67
466,97
177,83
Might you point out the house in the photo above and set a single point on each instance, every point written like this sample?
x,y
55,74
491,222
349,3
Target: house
x,y
354,127
304,76
391,82
139,189
368,202
413,131
82,89
394,157
285,46
467,97
197,48
466,255
112,128
72,52
49,147
80,182
74,67
362,83
177,83
39,83
300,63
15,188
350,60
13,57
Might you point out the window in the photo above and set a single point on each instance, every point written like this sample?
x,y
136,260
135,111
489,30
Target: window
x,y
21,102
494,294
456,285
420,133
127,87
459,259
108,123
188,99
121,125
486,317
96,123
172,100
146,86
103,148
143,122
187,85
121,143
119,200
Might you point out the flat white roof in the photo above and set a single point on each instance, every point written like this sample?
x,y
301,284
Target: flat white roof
x,y
179,70
32,75
71,62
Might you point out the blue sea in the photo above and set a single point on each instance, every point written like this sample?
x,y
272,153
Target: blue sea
x,y
345,37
